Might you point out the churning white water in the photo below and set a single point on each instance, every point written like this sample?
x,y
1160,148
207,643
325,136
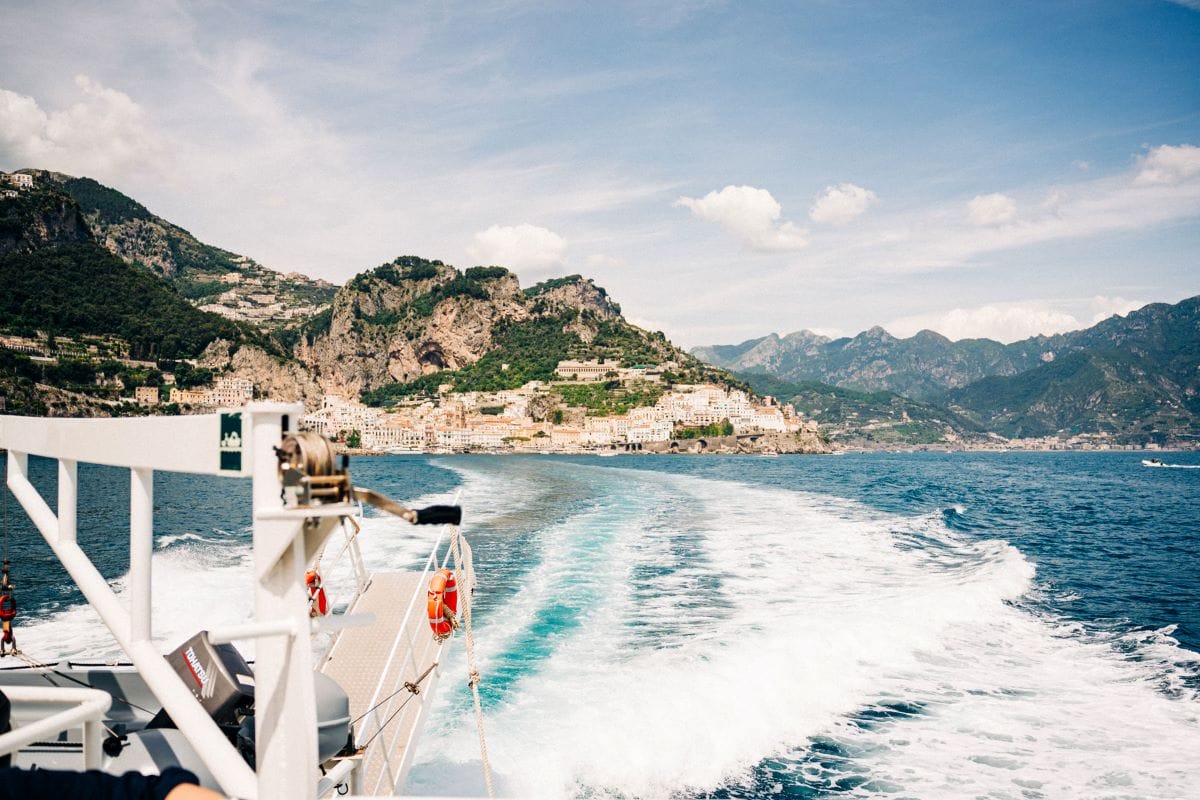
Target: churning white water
x,y
692,629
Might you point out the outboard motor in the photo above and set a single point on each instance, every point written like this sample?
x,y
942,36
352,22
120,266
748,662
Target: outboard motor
x,y
333,722
218,677
223,682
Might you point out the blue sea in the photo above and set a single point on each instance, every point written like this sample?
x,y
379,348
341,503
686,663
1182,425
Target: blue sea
x,y
1000,625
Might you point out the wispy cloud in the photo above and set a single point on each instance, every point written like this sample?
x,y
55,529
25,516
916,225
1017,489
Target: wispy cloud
x,y
1003,322
1163,185
749,214
1011,322
842,203
991,209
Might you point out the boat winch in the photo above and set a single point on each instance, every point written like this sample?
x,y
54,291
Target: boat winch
x,y
313,474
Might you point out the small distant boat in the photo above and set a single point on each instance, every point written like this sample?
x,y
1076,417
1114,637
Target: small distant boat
x,y
1154,462
607,453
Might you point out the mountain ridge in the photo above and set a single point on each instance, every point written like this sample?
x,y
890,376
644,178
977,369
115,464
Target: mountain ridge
x,y
217,280
1132,378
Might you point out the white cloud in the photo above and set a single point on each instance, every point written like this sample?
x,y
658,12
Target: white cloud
x,y
1166,164
1105,307
1081,165
104,133
842,203
1004,322
750,214
524,248
991,209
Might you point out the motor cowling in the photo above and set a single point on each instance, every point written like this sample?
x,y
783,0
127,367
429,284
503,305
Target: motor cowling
x,y
217,676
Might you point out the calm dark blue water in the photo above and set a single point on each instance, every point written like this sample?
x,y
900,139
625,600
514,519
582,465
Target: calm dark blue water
x,y
902,625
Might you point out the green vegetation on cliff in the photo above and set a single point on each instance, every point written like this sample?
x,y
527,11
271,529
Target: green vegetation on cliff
x,y
107,205
722,428
607,399
524,351
40,218
1095,391
82,288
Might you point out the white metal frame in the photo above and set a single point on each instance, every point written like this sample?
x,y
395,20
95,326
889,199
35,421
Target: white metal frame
x,y
285,541
85,707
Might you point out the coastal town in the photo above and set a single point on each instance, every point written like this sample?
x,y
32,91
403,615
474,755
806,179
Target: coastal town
x,y
589,406
535,419
687,418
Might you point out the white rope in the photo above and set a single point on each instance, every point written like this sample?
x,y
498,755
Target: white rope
x,y
464,566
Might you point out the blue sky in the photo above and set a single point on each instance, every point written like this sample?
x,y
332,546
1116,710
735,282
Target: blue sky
x,y
724,169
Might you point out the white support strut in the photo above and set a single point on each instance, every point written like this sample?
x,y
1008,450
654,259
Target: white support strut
x,y
141,550
285,713
85,707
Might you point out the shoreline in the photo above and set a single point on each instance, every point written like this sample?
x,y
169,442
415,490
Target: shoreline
x,y
359,452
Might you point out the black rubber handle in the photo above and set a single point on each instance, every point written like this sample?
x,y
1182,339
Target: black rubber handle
x,y
439,515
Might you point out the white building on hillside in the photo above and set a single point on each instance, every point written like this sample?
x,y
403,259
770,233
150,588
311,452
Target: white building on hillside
x,y
584,370
20,180
229,392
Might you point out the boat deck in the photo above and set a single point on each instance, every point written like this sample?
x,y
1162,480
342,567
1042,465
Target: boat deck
x,y
375,661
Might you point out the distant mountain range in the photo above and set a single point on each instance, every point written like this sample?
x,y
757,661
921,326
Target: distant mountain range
x,y
1135,378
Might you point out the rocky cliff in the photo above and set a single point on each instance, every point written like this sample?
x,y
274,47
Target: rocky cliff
x,y
403,320
1132,378
279,379
922,366
412,318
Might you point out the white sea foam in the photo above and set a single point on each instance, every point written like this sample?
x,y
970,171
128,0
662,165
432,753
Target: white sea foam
x,y
198,583
824,609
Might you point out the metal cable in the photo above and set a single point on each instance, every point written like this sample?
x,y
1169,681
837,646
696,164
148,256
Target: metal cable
x,y
410,686
33,662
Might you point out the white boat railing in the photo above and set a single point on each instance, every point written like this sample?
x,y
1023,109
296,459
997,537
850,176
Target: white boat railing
x,y
235,443
241,443
85,708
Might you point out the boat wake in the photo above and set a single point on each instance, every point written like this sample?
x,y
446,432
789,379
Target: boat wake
x,y
675,636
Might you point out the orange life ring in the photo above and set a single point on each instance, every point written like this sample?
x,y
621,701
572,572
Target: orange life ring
x,y
318,604
443,603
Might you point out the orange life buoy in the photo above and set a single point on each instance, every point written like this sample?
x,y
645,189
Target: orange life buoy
x,y
443,603
318,604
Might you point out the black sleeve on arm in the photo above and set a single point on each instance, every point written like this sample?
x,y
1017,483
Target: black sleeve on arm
x,y
46,784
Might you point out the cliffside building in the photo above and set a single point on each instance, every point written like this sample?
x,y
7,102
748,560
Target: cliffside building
x,y
18,179
584,370
146,395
